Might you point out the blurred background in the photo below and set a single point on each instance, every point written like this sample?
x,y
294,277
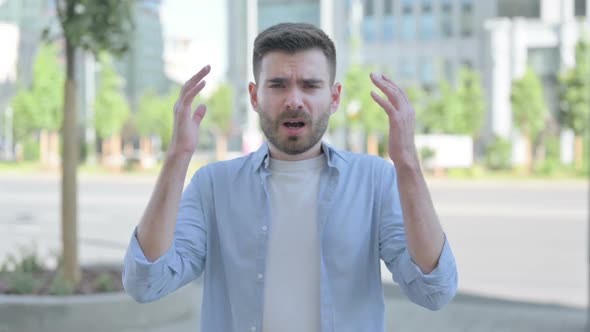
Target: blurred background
x,y
502,94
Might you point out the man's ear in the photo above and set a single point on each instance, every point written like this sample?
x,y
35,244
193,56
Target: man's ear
x,y
253,90
335,93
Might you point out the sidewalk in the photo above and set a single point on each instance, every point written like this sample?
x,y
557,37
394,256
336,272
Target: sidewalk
x,y
466,313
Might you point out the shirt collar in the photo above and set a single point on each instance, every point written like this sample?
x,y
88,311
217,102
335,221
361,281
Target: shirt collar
x,y
260,157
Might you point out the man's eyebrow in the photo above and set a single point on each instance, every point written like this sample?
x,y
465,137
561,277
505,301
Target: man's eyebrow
x,y
277,80
312,81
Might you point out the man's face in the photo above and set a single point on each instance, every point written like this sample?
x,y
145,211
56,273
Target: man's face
x,y
294,99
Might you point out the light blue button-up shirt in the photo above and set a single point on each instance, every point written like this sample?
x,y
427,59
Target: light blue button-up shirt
x,y
222,230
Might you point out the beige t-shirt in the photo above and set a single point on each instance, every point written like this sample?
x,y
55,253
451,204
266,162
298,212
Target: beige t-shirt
x,y
292,285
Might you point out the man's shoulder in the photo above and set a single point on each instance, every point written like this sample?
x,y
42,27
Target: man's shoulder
x,y
355,159
228,167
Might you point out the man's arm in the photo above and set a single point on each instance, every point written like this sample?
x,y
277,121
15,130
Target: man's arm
x,y
424,233
155,232
425,237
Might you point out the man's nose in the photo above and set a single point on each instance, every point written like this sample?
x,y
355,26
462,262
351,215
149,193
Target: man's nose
x,y
294,99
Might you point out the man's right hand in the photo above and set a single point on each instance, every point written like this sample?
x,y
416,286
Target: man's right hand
x,y
185,134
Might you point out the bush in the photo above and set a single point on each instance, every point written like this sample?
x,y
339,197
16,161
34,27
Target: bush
x,y
60,286
499,154
104,283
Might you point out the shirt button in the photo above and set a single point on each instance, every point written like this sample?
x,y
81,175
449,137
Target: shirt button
x,y
259,276
253,329
264,228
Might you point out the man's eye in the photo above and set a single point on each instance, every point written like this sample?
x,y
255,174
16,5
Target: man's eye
x,y
276,85
311,86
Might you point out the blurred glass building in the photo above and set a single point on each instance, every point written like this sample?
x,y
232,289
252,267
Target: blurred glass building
x,y
421,42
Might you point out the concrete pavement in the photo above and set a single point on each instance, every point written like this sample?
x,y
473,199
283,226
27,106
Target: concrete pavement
x,y
519,240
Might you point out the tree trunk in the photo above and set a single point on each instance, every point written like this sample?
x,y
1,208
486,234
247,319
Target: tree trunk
x,y
220,147
54,159
528,153
69,199
43,147
578,151
111,153
147,158
372,144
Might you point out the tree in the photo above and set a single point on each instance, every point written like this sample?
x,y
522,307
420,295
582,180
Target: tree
x,y
219,118
359,110
111,112
94,26
148,119
38,109
529,110
418,98
443,113
575,97
471,99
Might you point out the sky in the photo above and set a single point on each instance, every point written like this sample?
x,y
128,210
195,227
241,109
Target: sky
x,y
205,23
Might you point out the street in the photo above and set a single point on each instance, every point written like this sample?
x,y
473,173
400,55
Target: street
x,y
518,240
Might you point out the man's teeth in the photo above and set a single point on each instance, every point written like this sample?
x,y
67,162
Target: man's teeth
x,y
294,124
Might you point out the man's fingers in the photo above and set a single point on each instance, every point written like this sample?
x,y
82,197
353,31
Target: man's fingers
x,y
188,98
399,90
199,113
194,80
388,89
386,105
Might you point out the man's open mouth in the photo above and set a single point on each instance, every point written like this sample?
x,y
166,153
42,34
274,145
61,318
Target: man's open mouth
x,y
294,124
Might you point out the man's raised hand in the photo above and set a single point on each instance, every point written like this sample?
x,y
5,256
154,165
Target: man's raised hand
x,y
185,134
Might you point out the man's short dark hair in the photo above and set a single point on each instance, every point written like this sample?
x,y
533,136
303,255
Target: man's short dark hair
x,y
291,38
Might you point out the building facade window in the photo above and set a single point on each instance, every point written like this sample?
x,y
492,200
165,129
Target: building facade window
x,y
408,27
580,9
369,8
407,7
466,18
427,29
407,69
446,25
388,28
427,71
426,6
370,29
388,7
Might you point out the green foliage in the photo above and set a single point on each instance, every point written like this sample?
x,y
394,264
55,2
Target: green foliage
x,y
60,286
528,106
20,271
444,113
356,93
104,283
97,26
575,91
499,154
471,99
551,163
31,147
219,110
419,100
111,107
22,282
150,113
40,106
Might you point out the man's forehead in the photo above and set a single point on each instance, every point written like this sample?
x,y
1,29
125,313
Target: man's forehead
x,y
308,64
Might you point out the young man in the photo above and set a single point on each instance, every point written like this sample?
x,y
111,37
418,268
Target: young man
x,y
291,236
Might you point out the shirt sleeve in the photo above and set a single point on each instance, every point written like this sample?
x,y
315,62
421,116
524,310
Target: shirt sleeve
x,y
433,290
183,262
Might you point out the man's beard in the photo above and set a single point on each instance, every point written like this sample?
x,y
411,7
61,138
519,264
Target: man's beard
x,y
293,145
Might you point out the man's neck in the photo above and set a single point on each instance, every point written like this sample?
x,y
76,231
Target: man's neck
x,y
313,152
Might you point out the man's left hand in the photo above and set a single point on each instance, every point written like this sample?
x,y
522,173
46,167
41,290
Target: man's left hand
x,y
402,119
